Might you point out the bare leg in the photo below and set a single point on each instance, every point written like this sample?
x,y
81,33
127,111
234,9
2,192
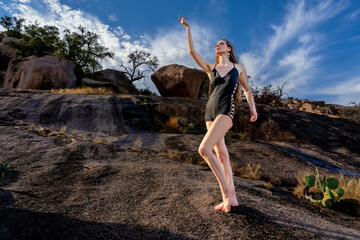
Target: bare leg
x,y
215,133
223,156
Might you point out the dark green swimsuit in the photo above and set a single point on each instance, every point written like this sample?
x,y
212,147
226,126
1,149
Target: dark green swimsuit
x,y
222,93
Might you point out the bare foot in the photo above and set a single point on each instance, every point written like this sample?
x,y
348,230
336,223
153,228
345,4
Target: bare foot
x,y
233,203
226,204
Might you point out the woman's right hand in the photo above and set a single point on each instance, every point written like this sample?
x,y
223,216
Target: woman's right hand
x,y
182,21
253,114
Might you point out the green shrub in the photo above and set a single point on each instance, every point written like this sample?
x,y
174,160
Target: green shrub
x,y
4,168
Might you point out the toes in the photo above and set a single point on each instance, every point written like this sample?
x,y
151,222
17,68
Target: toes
x,y
219,206
226,209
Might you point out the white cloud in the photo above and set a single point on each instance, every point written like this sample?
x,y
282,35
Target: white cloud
x,y
170,46
112,18
6,7
291,52
220,5
349,86
354,15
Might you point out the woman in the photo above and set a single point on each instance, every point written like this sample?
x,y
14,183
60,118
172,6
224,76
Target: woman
x,y
225,76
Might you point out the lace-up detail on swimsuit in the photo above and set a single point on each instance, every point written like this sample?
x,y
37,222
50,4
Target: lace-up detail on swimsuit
x,y
221,100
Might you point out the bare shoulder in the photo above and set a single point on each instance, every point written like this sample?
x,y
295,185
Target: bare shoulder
x,y
211,66
240,67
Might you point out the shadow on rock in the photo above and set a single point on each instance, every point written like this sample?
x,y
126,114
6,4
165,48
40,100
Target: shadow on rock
x,y
24,224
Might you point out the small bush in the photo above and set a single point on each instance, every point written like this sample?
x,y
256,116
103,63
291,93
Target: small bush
x,y
146,92
269,96
4,169
172,125
180,125
355,104
271,131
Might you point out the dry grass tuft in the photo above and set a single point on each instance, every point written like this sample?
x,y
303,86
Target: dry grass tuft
x,y
94,141
271,131
269,186
173,153
84,90
351,185
137,144
63,129
189,159
299,189
252,171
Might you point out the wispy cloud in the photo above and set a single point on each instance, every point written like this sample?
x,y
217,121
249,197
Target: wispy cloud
x,y
344,91
291,52
350,86
354,15
171,45
220,5
112,17
24,1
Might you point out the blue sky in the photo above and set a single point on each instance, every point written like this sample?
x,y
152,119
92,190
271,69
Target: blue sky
x,y
312,44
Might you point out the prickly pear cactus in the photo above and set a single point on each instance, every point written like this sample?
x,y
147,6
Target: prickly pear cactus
x,y
180,122
332,183
328,186
309,180
340,192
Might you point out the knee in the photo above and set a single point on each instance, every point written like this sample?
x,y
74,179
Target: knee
x,y
222,156
204,150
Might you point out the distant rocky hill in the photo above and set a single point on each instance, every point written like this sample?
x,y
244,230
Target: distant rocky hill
x,y
130,113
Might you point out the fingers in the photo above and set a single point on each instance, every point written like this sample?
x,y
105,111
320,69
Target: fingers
x,y
253,116
181,19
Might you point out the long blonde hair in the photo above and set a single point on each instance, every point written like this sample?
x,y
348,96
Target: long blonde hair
x,y
232,58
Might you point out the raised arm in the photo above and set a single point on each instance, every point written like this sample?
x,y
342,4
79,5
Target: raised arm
x,y
198,59
248,94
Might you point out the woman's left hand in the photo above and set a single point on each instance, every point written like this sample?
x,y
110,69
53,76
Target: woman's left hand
x,y
183,22
254,115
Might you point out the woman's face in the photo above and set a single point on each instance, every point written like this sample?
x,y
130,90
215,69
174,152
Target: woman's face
x,y
221,47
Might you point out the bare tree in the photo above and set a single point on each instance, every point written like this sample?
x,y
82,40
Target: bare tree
x,y
136,59
281,91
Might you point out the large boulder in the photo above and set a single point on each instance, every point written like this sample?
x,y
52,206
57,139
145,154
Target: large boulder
x,y
114,75
110,79
179,81
109,86
40,73
6,52
2,74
